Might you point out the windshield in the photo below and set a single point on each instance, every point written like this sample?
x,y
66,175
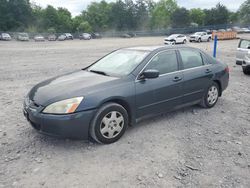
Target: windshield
x,y
173,36
198,33
23,34
119,63
5,35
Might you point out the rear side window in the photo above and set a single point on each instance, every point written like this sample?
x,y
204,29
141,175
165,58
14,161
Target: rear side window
x,y
164,62
244,44
191,58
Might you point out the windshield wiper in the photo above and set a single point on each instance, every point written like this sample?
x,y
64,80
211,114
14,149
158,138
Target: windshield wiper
x,y
99,72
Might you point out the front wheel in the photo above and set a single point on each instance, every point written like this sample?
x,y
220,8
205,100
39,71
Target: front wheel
x,y
245,71
109,123
211,96
199,40
185,41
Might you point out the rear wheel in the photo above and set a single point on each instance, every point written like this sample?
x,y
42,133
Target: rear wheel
x,y
185,41
209,39
109,123
211,96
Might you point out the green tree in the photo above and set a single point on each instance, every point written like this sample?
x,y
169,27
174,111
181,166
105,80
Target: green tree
x,y
197,16
15,14
98,15
244,12
50,17
180,18
142,14
161,14
217,15
64,22
85,27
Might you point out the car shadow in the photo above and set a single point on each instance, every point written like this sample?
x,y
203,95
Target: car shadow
x,y
59,143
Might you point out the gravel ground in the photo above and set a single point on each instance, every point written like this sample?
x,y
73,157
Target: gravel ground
x,y
192,147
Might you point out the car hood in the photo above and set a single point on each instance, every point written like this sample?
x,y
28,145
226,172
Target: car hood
x,y
70,85
194,35
169,38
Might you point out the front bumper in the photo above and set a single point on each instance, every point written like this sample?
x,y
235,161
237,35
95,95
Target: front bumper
x,y
75,126
167,42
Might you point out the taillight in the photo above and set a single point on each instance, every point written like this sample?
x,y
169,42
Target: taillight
x,y
227,69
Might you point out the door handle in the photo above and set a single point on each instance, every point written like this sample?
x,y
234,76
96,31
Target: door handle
x,y
208,71
177,79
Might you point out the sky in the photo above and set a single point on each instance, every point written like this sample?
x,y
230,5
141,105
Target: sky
x,y
76,6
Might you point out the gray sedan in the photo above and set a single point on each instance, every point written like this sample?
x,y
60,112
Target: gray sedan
x,y
101,100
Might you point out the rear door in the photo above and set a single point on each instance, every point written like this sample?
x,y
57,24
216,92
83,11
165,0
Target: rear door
x,y
197,75
163,93
242,49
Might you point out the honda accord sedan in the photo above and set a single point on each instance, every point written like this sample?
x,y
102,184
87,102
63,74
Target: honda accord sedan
x,y
101,100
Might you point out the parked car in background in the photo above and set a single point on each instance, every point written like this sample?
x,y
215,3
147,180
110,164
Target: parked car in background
x,y
96,35
125,35
200,37
85,36
23,37
39,38
101,100
52,37
5,36
243,55
245,30
175,39
237,29
69,36
222,30
62,37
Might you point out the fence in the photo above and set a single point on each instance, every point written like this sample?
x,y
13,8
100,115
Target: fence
x,y
157,32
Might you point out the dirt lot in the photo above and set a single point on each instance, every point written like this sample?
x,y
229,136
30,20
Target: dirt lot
x,y
193,147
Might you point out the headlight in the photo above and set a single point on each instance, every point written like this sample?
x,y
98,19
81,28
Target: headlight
x,y
63,107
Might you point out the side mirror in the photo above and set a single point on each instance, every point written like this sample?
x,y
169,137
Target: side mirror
x,y
150,74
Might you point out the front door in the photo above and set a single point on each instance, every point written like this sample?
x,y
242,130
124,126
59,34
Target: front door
x,y
163,93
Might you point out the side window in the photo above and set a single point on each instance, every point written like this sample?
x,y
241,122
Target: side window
x,y
164,62
244,44
191,58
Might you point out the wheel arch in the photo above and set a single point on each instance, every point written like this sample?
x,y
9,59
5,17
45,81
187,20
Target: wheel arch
x,y
220,87
125,105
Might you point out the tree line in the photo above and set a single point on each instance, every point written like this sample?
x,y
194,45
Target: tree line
x,y
22,15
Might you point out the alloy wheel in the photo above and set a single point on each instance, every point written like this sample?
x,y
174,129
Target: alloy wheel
x,y
112,124
212,95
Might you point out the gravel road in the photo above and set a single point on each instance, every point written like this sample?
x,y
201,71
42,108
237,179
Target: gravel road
x,y
192,147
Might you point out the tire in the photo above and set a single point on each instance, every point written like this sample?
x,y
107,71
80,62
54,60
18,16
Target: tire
x,y
109,123
199,40
174,42
245,71
190,41
184,41
211,96
209,39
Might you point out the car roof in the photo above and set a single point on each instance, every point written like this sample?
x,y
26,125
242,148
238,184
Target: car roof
x,y
156,48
